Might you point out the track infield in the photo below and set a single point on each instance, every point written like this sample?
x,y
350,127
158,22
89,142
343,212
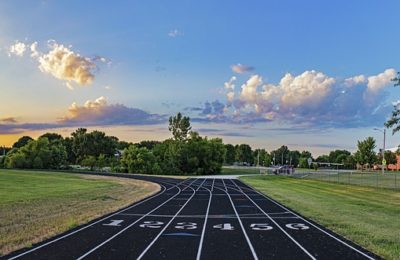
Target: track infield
x,y
199,219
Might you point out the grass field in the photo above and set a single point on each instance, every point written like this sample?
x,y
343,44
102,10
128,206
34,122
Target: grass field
x,y
365,215
236,171
37,205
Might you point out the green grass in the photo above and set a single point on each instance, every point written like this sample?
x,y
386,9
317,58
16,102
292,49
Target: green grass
x,y
237,171
37,205
368,216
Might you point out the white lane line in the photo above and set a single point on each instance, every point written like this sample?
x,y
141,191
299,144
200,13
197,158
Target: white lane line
x,y
205,223
166,226
241,225
94,223
123,230
100,220
284,231
320,229
201,184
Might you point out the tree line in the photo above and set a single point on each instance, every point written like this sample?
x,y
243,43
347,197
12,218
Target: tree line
x,y
185,153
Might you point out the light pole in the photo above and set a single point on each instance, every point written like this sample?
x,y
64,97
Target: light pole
x,y
383,150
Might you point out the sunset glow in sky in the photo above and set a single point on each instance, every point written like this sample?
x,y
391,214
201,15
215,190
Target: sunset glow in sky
x,y
312,75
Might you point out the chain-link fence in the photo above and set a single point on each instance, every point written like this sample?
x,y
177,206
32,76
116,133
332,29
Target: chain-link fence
x,y
372,179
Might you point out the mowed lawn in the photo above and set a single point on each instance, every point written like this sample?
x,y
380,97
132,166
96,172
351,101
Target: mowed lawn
x,y
38,205
368,216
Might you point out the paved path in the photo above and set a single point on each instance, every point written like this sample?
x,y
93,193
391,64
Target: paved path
x,y
199,219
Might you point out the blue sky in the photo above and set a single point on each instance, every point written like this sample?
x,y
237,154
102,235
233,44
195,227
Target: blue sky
x,y
155,58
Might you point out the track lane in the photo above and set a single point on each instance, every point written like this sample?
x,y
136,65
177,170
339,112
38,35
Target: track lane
x,y
223,238
132,240
317,241
180,236
80,240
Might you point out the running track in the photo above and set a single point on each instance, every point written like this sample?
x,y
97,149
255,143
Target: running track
x,y
199,219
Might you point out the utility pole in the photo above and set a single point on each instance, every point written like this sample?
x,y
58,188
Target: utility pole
x,y
384,148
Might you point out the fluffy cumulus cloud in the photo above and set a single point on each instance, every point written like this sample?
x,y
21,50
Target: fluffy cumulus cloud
x,y
240,68
311,98
64,64
18,49
99,112
61,62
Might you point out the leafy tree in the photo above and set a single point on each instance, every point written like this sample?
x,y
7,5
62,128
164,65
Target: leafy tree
x,y
390,157
230,154
303,162
147,144
139,160
306,154
394,121
121,145
22,141
39,154
338,156
52,137
365,154
281,155
323,158
169,154
350,162
94,144
262,157
244,153
179,126
89,161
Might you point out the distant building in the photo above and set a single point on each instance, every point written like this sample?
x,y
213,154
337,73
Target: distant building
x,y
395,167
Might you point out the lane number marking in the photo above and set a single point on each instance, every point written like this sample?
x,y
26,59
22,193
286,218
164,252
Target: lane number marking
x,y
151,224
261,226
225,226
186,225
114,223
297,226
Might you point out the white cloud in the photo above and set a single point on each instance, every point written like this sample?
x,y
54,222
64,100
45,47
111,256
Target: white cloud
x,y
99,112
229,84
377,82
34,51
313,97
64,64
17,49
175,33
240,68
61,62
359,79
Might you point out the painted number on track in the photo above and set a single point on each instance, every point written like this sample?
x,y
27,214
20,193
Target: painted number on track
x,y
297,226
114,223
260,226
186,225
225,226
152,224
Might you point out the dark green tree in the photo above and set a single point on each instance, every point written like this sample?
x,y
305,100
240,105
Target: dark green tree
x,y
179,126
230,154
365,154
394,121
244,154
22,141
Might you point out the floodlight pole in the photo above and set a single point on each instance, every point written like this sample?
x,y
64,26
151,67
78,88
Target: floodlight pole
x,y
384,147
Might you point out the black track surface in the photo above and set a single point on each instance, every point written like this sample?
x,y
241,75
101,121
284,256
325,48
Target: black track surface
x,y
199,219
